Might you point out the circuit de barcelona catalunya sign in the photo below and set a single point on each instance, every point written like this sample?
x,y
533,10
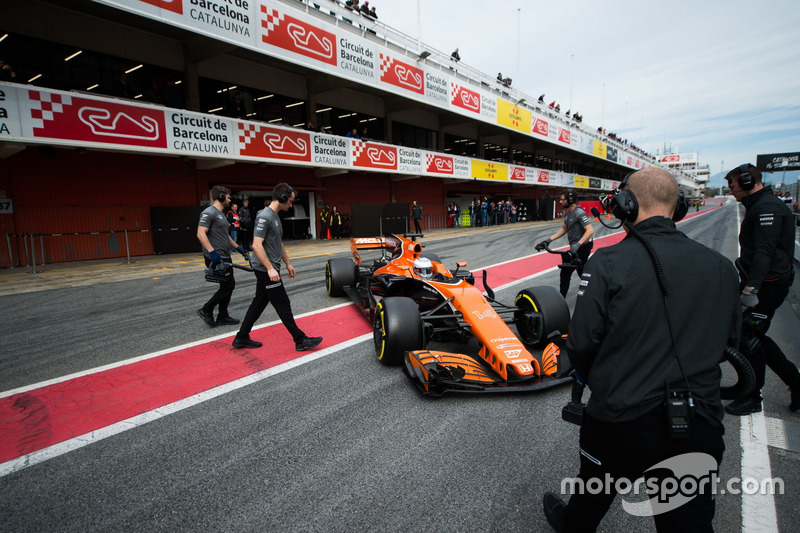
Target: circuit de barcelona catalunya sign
x,y
278,30
34,115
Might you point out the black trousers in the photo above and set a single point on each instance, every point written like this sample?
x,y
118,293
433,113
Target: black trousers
x,y
417,229
223,295
268,291
770,297
626,450
566,273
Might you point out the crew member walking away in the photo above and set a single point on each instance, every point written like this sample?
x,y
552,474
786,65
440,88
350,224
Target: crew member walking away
x,y
635,345
766,239
579,232
266,261
416,213
245,226
215,238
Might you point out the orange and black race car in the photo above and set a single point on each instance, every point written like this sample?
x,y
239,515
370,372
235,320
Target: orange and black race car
x,y
416,305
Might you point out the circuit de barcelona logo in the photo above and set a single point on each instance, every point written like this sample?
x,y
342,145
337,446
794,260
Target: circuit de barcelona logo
x,y
274,143
297,36
401,74
76,118
176,6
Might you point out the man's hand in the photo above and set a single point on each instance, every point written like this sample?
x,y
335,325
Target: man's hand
x,y
215,258
273,274
574,247
748,299
541,246
244,253
290,269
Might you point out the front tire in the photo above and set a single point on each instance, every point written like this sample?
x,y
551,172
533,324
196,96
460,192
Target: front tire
x,y
397,329
541,311
339,273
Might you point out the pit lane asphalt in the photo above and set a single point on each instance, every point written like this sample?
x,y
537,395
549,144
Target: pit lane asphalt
x,y
339,444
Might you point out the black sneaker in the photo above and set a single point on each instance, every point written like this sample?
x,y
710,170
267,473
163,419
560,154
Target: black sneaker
x,y
307,343
795,405
208,318
226,321
247,342
554,508
744,406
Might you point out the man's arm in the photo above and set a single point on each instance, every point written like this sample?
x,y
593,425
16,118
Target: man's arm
x,y
587,329
588,232
285,259
202,236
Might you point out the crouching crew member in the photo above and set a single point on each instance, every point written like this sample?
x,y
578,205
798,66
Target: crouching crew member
x,y
266,262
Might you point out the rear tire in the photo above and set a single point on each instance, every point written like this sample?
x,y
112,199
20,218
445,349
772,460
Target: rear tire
x,y
339,273
397,329
541,311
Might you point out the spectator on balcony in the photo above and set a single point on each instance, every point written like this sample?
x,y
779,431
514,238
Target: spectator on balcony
x,y
455,56
6,72
353,133
365,8
236,107
541,98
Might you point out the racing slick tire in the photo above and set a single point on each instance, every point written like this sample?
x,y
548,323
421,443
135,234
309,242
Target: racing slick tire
x,y
339,273
541,311
397,329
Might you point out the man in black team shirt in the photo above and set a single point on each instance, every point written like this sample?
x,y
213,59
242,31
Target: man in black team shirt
x,y
635,343
766,239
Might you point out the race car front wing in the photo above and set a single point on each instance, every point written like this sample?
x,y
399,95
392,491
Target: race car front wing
x,y
435,373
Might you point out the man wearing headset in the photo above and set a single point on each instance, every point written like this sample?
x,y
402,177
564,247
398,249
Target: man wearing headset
x,y
766,239
632,343
268,254
579,232
214,237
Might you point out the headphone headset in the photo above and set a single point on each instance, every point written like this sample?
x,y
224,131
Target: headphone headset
x,y
624,205
570,197
223,192
284,196
746,180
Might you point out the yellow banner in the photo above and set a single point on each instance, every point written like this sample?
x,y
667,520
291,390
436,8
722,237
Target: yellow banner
x,y
489,170
581,181
600,149
514,117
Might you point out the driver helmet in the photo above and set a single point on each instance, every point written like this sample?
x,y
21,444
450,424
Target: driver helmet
x,y
423,267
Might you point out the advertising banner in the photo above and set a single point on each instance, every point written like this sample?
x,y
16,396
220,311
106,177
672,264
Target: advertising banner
x,y
257,140
77,118
439,164
778,162
373,155
511,116
279,30
600,149
56,117
489,170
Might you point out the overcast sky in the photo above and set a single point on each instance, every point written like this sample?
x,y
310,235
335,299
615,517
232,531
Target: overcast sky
x,y
721,78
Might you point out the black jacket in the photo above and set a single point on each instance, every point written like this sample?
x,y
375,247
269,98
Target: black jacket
x,y
619,337
766,237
